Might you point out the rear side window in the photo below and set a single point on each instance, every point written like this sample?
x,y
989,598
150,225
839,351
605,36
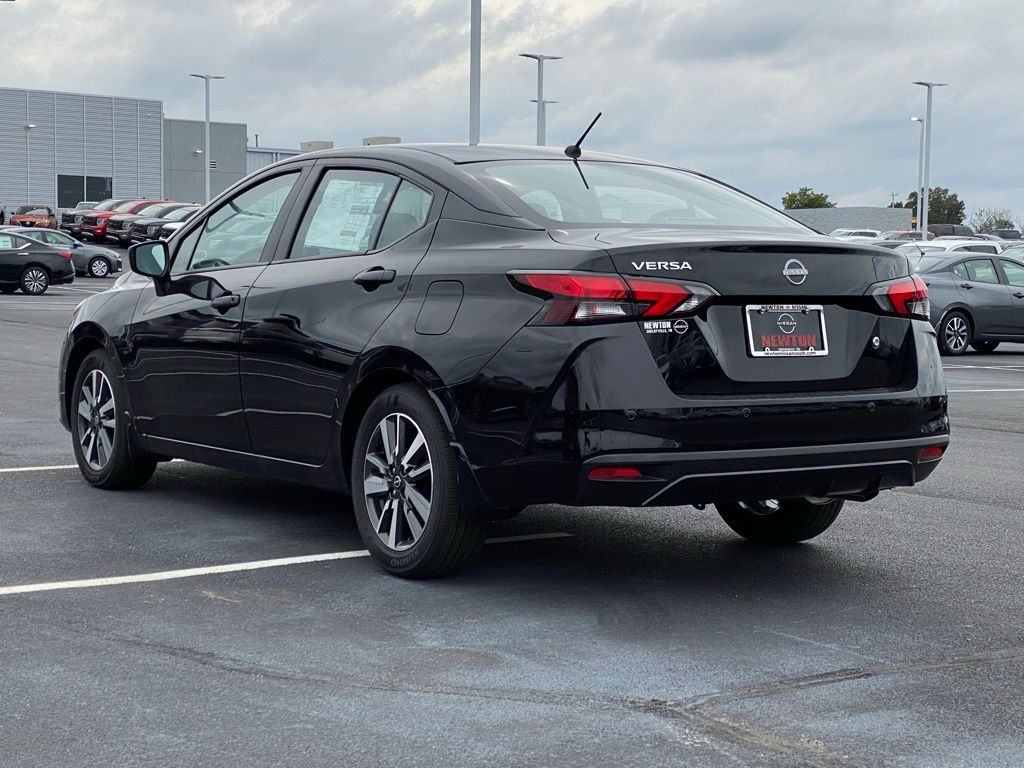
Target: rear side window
x,y
408,212
1014,273
981,271
345,214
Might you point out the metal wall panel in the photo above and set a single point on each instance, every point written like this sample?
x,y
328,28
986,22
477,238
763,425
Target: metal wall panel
x,y
13,119
70,134
151,149
99,137
125,114
42,160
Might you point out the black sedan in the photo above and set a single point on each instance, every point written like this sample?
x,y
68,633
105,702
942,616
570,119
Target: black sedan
x,y
149,228
977,300
451,333
31,265
91,260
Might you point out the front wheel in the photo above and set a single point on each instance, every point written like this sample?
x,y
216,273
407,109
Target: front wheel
x,y
405,489
779,521
985,346
35,281
954,334
99,428
99,267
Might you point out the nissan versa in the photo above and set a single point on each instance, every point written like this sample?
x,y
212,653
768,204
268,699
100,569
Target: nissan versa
x,y
451,333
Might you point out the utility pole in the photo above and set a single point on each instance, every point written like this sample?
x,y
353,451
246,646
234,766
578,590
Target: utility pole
x,y
541,102
206,152
920,170
923,205
474,72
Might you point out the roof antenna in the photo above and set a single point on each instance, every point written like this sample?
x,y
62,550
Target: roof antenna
x,y
573,151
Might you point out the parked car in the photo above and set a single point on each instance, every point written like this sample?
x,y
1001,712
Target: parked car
x,y
976,301
119,226
903,234
938,245
31,265
91,260
957,230
33,216
94,225
454,332
87,205
167,231
848,234
71,221
1006,234
149,229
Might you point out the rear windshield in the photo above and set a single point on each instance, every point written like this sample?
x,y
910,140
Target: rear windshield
x,y
623,194
927,263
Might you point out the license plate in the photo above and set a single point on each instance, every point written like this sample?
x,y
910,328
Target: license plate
x,y
786,330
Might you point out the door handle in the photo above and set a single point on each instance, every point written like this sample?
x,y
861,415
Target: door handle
x,y
1018,294
968,286
223,303
373,277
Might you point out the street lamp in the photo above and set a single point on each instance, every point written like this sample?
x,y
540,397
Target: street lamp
x,y
206,168
920,170
923,205
29,127
542,103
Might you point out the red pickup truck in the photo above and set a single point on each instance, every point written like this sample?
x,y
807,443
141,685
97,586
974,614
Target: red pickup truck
x,y
94,224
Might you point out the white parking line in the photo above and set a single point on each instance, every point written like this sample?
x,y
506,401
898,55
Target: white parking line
x,y
1016,368
39,469
186,573
965,391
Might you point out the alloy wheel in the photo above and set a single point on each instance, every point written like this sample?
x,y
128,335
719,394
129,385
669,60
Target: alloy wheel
x,y
35,281
762,506
99,268
956,333
97,419
398,481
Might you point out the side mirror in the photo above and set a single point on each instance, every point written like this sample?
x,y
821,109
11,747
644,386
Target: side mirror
x,y
151,259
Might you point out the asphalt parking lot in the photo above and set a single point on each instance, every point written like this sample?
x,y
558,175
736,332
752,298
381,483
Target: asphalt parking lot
x,y
598,637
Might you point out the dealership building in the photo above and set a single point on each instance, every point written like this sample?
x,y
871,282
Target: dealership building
x,y
59,149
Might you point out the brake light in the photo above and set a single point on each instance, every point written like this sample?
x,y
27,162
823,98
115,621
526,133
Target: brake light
x,y
65,255
575,297
905,296
614,473
932,453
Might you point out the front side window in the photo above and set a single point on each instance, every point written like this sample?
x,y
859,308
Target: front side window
x,y
623,194
981,271
237,231
345,214
1014,273
9,242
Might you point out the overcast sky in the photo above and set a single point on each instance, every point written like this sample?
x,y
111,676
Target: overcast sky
x,y
768,96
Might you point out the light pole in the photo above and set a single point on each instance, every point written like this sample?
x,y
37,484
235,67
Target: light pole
x,y
206,168
923,205
920,170
474,72
542,103
28,162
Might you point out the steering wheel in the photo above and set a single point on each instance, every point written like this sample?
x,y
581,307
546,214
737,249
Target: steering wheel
x,y
667,216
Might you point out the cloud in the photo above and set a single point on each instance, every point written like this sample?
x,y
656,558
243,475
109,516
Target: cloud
x,y
767,95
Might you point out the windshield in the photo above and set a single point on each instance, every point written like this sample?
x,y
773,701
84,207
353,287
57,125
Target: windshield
x,y
124,207
106,205
180,214
623,194
31,210
153,210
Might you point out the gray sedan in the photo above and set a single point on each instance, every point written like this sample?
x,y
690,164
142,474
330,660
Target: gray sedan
x,y
977,300
91,260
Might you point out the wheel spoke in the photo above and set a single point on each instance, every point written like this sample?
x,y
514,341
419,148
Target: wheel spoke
x,y
414,525
85,436
415,474
385,515
387,440
378,463
375,485
104,448
393,533
417,500
84,410
417,443
87,452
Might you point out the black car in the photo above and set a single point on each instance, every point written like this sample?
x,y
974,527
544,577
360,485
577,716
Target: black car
x,y
977,300
31,265
452,333
91,260
149,228
120,227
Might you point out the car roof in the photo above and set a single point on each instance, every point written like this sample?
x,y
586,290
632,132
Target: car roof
x,y
459,154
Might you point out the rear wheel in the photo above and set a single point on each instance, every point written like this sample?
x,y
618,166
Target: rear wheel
x,y
35,281
99,428
780,521
405,489
99,267
954,333
985,346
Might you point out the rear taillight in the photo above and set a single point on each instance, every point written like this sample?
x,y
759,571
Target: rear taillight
x,y
906,296
579,297
65,255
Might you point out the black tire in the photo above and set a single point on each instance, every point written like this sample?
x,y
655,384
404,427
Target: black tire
x,y
123,465
8,288
985,346
449,539
99,267
793,521
955,333
34,280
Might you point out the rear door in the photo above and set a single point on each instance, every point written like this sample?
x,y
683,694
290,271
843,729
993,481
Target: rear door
x,y
988,298
1014,272
183,360
341,269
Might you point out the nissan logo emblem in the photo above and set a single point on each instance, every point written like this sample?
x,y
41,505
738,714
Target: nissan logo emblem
x,y
795,272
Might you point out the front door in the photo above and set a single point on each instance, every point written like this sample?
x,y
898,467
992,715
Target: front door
x,y
315,308
183,343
